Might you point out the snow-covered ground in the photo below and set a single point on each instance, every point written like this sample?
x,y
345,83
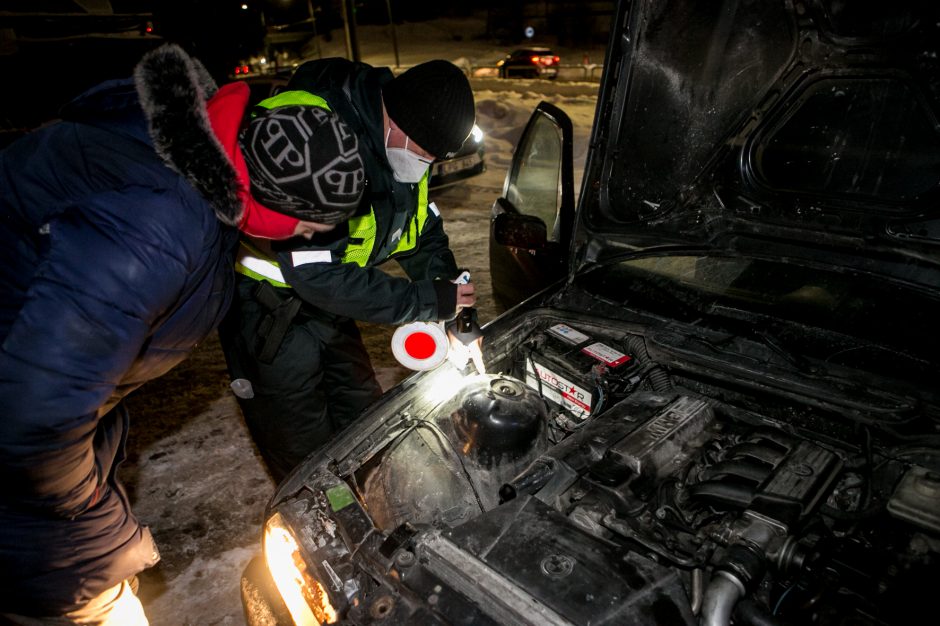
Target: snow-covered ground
x,y
192,472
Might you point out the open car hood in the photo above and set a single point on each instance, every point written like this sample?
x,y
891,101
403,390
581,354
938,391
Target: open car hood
x,y
807,128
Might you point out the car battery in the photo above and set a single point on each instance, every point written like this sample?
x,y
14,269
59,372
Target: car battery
x,y
574,370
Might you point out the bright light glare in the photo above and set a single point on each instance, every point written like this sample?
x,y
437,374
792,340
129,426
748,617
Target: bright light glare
x,y
446,382
477,133
285,562
244,7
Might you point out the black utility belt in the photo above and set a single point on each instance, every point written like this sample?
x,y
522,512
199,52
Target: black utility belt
x,y
282,307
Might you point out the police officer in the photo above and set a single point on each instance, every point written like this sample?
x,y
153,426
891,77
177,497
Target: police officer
x,y
292,333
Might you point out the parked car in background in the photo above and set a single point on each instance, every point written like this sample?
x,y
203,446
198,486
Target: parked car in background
x,y
468,161
532,62
723,407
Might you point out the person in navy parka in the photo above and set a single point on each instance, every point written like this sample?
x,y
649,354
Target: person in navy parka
x,y
118,226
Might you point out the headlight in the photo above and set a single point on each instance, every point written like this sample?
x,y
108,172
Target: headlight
x,y
305,597
477,133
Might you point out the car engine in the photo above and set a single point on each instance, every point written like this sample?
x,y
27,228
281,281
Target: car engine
x,y
613,488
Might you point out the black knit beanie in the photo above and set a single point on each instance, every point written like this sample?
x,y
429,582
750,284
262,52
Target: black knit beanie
x,y
304,162
433,104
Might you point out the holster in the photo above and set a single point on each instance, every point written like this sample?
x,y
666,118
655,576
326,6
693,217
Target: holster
x,y
282,309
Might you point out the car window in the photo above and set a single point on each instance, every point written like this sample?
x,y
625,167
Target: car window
x,y
535,183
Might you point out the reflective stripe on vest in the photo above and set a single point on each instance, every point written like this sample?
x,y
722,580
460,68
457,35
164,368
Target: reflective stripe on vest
x,y
254,264
362,231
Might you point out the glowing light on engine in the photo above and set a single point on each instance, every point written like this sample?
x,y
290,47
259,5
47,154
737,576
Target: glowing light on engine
x,y
446,382
306,599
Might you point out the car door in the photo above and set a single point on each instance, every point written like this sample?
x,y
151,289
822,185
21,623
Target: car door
x,y
531,224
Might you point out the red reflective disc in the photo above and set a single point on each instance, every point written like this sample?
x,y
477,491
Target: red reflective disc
x,y
420,345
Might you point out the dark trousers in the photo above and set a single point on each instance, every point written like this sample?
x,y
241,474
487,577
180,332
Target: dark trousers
x,y
319,380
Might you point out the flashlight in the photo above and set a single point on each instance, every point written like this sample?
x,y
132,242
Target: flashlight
x,y
466,329
465,321
465,326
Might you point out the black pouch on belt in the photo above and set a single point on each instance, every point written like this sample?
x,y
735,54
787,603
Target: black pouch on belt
x,y
282,309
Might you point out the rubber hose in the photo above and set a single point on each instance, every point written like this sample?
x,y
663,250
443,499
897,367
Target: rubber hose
x,y
659,378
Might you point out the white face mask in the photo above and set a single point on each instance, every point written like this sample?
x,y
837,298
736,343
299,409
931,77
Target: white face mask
x,y
407,167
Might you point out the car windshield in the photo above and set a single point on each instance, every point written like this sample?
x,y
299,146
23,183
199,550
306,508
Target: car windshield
x,y
840,317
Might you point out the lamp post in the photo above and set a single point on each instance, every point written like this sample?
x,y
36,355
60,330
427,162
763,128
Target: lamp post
x,y
352,41
313,23
391,23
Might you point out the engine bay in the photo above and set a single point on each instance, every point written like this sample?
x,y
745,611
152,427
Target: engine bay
x,y
614,489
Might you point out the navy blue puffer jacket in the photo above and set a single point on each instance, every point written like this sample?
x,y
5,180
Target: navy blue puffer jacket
x,y
116,244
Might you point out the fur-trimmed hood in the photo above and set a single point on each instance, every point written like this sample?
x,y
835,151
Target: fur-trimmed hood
x,y
173,89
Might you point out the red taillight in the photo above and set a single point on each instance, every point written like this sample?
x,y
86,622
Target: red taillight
x,y
557,59
534,60
244,69
238,70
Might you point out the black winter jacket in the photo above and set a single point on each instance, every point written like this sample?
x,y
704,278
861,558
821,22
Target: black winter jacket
x,y
117,245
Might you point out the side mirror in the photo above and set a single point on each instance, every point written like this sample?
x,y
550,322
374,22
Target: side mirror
x,y
520,231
